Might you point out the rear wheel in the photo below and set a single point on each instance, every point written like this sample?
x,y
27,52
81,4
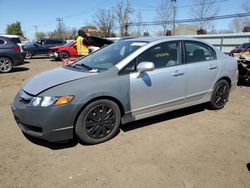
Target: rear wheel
x,y
6,64
98,122
220,95
28,54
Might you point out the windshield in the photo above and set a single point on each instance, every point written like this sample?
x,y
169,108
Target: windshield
x,y
111,55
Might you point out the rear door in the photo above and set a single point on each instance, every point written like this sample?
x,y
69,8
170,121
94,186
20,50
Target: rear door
x,y
202,69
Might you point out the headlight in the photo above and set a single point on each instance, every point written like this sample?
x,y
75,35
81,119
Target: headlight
x,y
50,101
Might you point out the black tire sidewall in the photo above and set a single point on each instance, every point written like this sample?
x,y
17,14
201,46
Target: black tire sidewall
x,y
213,104
80,128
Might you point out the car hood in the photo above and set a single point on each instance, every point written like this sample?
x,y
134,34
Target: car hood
x,y
52,78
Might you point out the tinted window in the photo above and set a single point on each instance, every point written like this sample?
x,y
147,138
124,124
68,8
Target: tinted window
x,y
163,55
15,40
53,42
196,52
1,41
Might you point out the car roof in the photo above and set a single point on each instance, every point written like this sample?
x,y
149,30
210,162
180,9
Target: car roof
x,y
165,38
10,36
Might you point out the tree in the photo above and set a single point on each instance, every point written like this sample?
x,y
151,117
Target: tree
x,y
40,35
104,20
14,29
204,8
123,12
236,25
165,13
137,19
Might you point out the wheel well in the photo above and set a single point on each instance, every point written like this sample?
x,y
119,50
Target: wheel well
x,y
98,98
9,58
227,79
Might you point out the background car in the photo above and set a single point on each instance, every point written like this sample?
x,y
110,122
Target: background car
x,y
123,82
10,55
237,50
41,47
15,39
69,50
62,52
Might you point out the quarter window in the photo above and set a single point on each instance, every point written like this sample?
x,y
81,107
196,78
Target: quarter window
x,y
196,52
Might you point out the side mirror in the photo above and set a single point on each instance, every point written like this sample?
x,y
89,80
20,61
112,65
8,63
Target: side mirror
x,y
145,66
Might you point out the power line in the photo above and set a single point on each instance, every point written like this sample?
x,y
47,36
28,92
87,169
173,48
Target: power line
x,y
240,15
151,8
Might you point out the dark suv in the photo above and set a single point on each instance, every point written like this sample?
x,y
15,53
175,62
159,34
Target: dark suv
x,y
41,47
10,55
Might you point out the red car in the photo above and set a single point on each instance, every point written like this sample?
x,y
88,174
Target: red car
x,y
63,52
69,49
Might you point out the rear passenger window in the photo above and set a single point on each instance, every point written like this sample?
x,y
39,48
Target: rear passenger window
x,y
1,41
196,52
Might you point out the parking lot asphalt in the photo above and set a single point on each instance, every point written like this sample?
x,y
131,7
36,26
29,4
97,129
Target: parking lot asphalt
x,y
193,147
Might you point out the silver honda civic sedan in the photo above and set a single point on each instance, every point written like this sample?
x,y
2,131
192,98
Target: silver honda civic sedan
x,y
126,81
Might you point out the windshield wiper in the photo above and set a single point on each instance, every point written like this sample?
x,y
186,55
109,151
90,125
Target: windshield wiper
x,y
85,66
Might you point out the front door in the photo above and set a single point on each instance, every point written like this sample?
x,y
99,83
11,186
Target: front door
x,y
155,91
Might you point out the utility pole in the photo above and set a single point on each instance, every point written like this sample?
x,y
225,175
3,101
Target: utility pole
x,y
174,8
36,26
60,21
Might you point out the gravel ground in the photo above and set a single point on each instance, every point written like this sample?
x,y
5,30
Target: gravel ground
x,y
193,147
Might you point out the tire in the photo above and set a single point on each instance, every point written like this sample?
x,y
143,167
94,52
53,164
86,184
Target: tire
x,y
98,122
64,55
220,95
6,64
28,55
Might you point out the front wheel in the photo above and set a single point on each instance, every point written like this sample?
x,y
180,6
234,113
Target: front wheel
x,y
220,95
98,122
64,55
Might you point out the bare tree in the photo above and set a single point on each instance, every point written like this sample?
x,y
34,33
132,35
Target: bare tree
x,y
236,25
204,9
104,20
137,29
165,13
123,12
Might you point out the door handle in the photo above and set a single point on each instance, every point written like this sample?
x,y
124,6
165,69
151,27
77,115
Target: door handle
x,y
177,73
211,67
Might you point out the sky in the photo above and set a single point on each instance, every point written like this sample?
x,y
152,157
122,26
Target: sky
x,y
78,13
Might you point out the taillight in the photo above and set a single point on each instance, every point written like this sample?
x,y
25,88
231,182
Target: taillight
x,y
16,48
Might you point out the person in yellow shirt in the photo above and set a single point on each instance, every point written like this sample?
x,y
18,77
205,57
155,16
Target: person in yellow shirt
x,y
82,43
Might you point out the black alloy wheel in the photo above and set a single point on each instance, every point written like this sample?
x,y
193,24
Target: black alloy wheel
x,y
98,122
220,95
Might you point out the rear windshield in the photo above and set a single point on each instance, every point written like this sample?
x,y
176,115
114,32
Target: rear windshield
x,y
15,40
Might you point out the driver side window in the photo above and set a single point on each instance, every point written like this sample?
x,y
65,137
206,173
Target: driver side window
x,y
163,55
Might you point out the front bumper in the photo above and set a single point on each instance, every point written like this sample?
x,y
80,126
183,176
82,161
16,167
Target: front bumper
x,y
53,55
49,123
